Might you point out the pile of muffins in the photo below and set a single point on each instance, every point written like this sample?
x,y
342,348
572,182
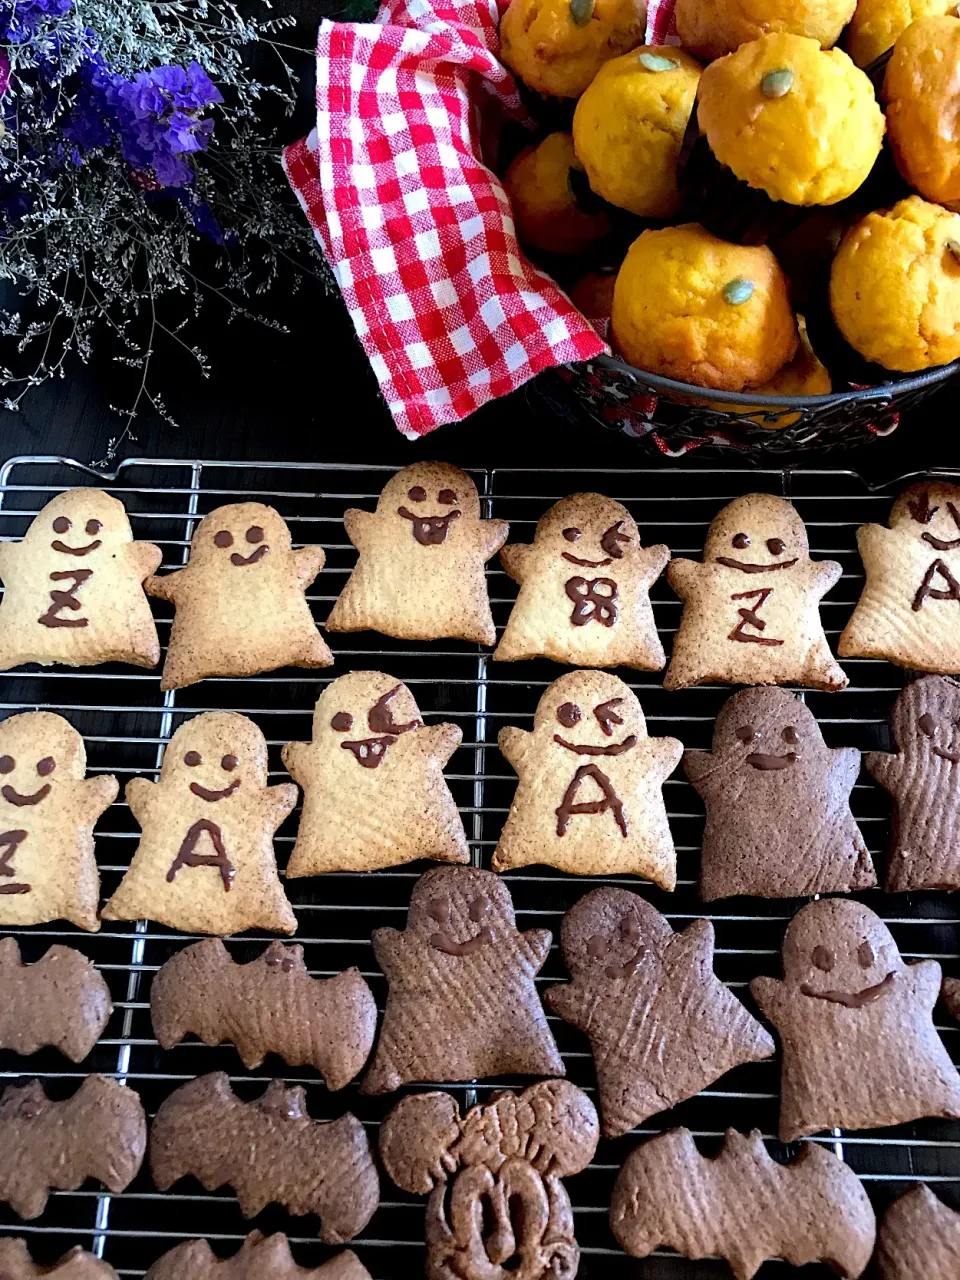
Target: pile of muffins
x,y
734,198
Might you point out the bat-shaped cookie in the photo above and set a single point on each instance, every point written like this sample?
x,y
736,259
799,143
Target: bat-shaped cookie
x,y
61,1000
919,1237
16,1264
269,1151
270,1005
101,1132
742,1205
260,1258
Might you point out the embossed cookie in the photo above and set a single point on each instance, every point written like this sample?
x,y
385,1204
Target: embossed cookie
x,y
420,557
462,1003
374,794
743,1205
101,1132
260,1258
584,589
778,803
856,1028
589,798
751,610
909,612
506,1211
240,602
919,1238
924,779
73,588
205,861
269,1151
660,1024
61,1000
16,1264
48,808
270,1005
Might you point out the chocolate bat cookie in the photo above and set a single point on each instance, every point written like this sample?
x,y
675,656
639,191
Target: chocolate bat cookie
x,y
16,1264
919,1239
260,1258
61,1000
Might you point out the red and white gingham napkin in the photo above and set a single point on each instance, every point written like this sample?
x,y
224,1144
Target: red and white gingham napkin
x,y
418,231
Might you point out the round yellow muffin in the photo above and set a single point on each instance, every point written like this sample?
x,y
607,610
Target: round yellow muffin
x,y
920,89
558,46
803,376
791,119
877,24
629,125
711,28
693,307
895,286
544,205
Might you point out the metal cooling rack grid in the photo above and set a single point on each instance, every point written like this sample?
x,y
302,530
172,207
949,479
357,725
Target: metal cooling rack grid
x,y
126,720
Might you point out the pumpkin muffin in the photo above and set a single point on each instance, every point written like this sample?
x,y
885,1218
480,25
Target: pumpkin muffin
x,y
558,46
791,119
805,375
711,28
628,128
543,193
878,24
693,307
920,89
895,286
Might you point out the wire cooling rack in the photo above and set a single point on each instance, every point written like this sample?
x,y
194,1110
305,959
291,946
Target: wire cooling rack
x,y
126,720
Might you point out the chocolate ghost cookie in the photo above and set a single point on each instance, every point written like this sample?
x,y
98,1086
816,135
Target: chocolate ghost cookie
x,y
778,803
16,1264
260,1258
909,612
751,611
205,861
919,1239
856,1028
924,780
420,560
374,793
660,1024
240,602
462,1003
589,799
584,589
61,1000
73,588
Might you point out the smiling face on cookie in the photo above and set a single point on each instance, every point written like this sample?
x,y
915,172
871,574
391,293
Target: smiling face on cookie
x,y
926,719
38,749
214,756
460,911
363,713
837,952
767,730
427,500
612,933
929,513
587,531
590,714
81,527
239,536
757,533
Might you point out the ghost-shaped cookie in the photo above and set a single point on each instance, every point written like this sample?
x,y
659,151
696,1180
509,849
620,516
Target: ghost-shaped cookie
x,y
205,862
420,560
909,612
661,1025
779,823
589,799
374,794
856,1028
924,780
239,601
751,611
48,808
462,1003
584,589
73,588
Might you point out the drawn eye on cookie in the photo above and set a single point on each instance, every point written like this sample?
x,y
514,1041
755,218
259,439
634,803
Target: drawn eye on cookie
x,y
417,493
342,722
607,715
46,766
12,796
443,940
447,497
569,714
924,513
825,961
747,734
572,534
865,955
62,525
927,725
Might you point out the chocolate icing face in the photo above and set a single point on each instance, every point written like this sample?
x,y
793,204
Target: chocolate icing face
x,y
616,929
778,739
608,726
429,499
195,758
756,535
931,511
239,536
458,918
842,954
346,706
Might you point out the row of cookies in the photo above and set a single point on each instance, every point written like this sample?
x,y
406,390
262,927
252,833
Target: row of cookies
x,y
751,607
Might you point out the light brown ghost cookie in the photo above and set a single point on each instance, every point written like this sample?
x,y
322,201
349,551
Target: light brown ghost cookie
x,y
661,1025
909,612
919,1239
260,1258
589,800
60,1000
462,1003
374,794
205,862
856,1028
584,589
240,602
751,610
47,813
419,572
16,1264
73,588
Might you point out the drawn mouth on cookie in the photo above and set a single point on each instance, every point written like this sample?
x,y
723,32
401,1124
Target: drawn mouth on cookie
x,y
730,563
588,749
445,942
253,558
14,797
57,545
852,999
213,796
587,564
429,531
369,752
757,760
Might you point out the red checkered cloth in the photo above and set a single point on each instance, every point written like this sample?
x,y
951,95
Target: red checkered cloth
x,y
418,231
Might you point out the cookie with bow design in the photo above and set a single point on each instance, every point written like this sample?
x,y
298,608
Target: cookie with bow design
x,y
589,798
374,794
420,559
584,589
73,588
751,609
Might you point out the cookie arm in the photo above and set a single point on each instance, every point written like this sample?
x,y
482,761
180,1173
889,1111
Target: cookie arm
x,y
826,574
96,795
8,551
514,743
874,540
514,560
393,954
439,740
665,755
694,948
139,793
493,534
145,558
164,588
682,576
925,977
652,562
309,562
768,993
538,943
846,764
884,767
296,757
569,1003
358,524
281,801
700,768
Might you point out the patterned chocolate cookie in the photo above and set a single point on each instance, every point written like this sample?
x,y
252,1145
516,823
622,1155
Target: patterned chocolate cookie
x,y
260,1258
919,1239
61,1000
16,1264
